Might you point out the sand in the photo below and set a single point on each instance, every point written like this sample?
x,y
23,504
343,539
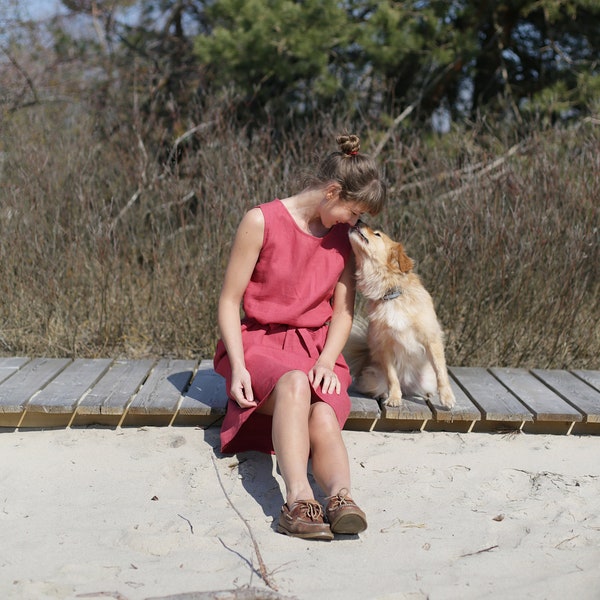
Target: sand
x,y
156,512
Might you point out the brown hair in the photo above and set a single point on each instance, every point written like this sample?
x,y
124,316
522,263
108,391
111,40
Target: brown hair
x,y
356,173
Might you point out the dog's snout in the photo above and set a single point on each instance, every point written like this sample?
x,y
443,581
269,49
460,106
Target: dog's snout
x,y
359,228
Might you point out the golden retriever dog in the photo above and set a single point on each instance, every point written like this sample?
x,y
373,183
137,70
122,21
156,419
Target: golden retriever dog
x,y
400,349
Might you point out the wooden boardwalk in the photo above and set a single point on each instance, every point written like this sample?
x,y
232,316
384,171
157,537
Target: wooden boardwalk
x,y
56,392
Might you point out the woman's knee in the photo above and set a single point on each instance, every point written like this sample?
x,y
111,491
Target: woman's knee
x,y
323,417
293,387
291,390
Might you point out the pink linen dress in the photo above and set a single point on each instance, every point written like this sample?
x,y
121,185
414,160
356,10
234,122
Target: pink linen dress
x,y
287,307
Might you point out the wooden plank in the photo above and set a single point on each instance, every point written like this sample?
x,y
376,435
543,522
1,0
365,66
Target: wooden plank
x,y
590,377
205,402
363,407
35,391
207,395
497,404
10,365
461,417
114,391
576,392
411,409
411,415
546,406
162,391
17,390
63,393
364,412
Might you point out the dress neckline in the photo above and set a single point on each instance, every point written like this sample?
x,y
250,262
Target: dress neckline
x,y
295,223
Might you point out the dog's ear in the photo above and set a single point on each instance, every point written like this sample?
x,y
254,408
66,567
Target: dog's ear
x,y
401,260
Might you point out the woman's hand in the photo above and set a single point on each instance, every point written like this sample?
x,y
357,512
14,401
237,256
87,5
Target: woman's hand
x,y
241,389
321,375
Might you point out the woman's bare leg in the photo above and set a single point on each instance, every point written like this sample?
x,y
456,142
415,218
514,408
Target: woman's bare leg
x,y
289,403
329,455
332,471
300,428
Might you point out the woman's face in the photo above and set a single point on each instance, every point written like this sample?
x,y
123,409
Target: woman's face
x,y
341,211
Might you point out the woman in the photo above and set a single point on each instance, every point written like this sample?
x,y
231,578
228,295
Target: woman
x,y
292,265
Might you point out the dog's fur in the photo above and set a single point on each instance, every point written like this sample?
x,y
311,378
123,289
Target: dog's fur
x,y
400,349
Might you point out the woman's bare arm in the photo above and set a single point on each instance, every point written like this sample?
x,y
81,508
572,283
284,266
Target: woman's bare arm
x,y
244,254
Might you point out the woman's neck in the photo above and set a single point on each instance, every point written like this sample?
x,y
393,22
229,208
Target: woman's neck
x,y
305,209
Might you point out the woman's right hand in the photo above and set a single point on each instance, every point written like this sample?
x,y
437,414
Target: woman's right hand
x,y
241,389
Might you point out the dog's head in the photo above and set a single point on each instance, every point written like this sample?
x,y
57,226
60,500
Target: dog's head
x,y
374,246
381,263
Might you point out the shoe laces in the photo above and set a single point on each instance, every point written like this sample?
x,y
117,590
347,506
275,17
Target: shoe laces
x,y
339,499
311,509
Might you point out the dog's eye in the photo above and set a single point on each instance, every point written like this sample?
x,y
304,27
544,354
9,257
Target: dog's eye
x,y
377,233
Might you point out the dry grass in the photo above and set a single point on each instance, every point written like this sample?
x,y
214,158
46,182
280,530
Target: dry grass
x,y
103,252
512,254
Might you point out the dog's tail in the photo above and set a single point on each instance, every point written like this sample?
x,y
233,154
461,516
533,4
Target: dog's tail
x,y
356,350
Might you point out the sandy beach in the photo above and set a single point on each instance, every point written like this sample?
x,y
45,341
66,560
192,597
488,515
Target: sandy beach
x,y
158,512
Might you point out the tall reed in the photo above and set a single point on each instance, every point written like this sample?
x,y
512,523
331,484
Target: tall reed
x,y
105,251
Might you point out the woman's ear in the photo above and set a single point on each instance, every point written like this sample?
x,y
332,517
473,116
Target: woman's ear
x,y
332,191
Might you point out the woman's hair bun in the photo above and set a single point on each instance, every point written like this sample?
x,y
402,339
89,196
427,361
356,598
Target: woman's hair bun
x,y
356,174
349,144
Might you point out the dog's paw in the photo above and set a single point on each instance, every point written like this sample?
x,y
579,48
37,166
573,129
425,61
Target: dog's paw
x,y
393,401
447,397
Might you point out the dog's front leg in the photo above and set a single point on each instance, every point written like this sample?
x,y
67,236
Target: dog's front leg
x,y
395,393
435,352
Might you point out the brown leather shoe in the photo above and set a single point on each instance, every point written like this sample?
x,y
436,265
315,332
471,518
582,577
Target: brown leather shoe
x,y
304,520
343,514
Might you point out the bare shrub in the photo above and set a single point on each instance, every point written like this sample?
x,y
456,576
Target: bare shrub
x,y
510,253
104,250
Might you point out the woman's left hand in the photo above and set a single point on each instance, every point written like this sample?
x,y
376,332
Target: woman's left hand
x,y
325,377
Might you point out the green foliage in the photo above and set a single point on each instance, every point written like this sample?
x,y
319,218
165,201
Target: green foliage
x,y
288,61
469,56
277,52
554,100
